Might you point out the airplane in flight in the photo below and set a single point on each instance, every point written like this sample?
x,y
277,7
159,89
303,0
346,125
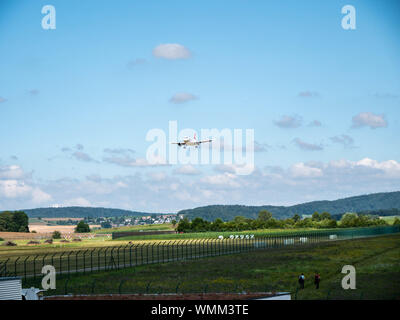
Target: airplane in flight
x,y
187,142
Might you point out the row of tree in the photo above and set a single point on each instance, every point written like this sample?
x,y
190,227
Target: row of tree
x,y
16,221
266,221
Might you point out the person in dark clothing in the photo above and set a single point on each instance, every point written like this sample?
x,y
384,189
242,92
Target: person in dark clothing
x,y
301,281
317,279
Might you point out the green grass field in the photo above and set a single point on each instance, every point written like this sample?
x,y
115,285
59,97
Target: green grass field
x,y
377,262
390,219
150,227
215,235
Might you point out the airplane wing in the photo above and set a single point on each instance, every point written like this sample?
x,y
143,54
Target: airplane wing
x,y
178,143
203,141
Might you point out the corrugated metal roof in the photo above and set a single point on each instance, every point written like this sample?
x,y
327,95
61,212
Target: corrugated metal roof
x,y
9,278
10,288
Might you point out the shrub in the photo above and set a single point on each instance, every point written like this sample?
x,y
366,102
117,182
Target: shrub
x,y
33,242
82,227
1,239
49,241
33,231
10,244
56,235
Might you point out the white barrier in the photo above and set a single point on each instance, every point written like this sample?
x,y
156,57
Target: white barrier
x,y
288,241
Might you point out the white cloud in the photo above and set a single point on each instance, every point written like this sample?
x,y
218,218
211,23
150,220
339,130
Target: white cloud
x,y
182,97
157,176
389,167
78,202
308,94
307,146
301,170
369,119
128,161
345,140
14,189
225,180
289,122
160,191
39,196
315,123
11,172
187,170
82,156
21,190
171,51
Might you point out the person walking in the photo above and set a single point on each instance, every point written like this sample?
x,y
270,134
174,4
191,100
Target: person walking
x,y
301,281
317,279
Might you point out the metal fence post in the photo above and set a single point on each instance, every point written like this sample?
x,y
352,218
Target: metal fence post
x,y
52,259
112,258
147,253
44,257
98,259
34,266
141,252
130,255
84,262
15,266
105,258
76,261
118,256
69,270
91,259
25,266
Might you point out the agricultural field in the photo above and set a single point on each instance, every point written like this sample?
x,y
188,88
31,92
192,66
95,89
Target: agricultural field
x,y
376,261
49,229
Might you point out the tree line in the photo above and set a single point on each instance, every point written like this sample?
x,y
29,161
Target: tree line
x,y
266,221
16,221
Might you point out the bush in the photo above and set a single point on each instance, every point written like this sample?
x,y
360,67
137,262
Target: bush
x,y
49,241
33,231
1,239
56,235
82,227
396,222
33,242
10,244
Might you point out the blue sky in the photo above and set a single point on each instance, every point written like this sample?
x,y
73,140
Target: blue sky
x,y
315,94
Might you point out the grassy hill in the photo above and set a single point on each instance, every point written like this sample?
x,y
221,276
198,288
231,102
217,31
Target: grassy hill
x,y
371,203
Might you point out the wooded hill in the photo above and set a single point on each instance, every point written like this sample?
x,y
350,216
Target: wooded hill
x,y
366,203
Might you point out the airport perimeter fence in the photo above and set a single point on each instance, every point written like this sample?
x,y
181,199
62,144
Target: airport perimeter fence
x,y
151,252
328,290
